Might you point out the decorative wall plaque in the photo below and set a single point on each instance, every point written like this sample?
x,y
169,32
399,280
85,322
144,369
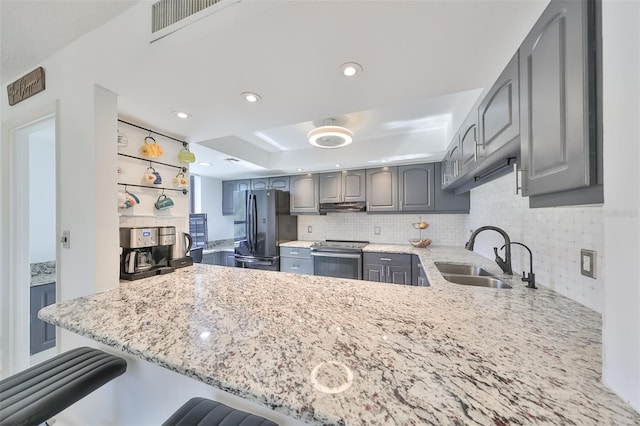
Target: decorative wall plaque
x,y
26,86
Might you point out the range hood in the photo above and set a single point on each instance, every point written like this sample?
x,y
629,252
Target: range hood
x,y
360,206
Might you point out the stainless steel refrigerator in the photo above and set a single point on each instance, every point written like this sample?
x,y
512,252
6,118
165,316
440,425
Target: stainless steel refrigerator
x,y
262,222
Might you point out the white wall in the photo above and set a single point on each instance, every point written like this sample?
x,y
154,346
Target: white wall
x,y
219,227
42,195
444,229
554,235
621,106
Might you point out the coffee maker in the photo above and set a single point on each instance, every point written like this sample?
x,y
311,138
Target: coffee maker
x,y
146,251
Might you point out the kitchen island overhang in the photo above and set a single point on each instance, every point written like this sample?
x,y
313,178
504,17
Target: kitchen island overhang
x,y
336,351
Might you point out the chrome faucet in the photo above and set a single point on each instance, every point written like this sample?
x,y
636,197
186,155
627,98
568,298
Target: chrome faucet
x,y
505,264
530,279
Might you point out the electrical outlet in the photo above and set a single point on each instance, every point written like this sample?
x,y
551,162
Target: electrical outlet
x,y
376,230
309,229
588,263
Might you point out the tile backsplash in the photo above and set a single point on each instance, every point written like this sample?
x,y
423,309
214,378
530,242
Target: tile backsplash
x,y
444,229
554,235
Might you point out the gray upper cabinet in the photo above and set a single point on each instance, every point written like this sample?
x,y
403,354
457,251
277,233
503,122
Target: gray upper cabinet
x,y
558,140
382,189
261,183
228,188
304,193
331,187
498,113
416,186
280,182
447,201
469,142
344,186
354,186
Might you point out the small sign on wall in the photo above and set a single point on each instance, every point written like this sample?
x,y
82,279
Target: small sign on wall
x,y
26,86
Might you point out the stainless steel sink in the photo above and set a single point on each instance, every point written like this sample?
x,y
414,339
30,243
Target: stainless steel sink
x,y
479,281
452,268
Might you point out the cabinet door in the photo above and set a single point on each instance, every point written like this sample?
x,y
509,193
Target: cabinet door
x,y
382,189
42,334
374,272
331,187
304,193
416,187
469,143
280,182
558,149
228,187
262,183
398,274
243,185
231,259
498,113
354,186
447,201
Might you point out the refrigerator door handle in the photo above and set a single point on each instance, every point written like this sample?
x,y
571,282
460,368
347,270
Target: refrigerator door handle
x,y
248,221
255,223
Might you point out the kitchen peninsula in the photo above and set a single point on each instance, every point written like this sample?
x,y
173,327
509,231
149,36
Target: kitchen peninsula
x,y
337,351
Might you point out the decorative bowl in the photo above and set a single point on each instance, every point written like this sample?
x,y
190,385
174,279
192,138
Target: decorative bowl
x,y
420,225
420,243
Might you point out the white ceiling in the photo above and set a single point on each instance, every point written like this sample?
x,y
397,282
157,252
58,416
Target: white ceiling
x,y
425,64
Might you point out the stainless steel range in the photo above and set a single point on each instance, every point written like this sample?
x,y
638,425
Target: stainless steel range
x,y
337,258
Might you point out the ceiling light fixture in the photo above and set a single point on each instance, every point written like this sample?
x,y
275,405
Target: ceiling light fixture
x,y
350,69
251,97
299,169
330,136
181,114
204,163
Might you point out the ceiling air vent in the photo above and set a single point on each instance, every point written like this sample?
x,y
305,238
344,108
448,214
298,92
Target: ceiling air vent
x,y
169,16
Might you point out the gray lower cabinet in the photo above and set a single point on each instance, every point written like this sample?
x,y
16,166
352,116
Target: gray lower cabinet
x,y
382,189
448,201
230,258
216,258
498,113
228,188
419,277
303,190
416,186
390,268
296,260
557,109
42,334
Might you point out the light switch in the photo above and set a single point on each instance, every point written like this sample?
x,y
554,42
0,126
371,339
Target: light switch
x,y
309,229
66,239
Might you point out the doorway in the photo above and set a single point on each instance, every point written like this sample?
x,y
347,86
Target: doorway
x,y
31,245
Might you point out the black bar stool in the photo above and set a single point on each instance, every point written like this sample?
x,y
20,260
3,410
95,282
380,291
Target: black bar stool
x,y
205,412
35,395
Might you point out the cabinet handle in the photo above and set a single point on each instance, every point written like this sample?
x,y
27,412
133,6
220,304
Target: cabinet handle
x,y
295,267
515,172
382,279
389,275
293,252
385,259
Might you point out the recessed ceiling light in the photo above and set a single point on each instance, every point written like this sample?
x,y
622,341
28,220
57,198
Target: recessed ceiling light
x,y
337,165
383,161
205,164
299,169
181,114
350,69
251,97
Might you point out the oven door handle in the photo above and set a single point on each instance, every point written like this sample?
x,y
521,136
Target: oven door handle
x,y
334,254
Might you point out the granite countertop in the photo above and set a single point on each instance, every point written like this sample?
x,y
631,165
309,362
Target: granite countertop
x,y
43,273
298,244
337,351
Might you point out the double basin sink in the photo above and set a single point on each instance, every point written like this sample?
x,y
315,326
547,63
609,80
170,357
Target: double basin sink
x,y
469,275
